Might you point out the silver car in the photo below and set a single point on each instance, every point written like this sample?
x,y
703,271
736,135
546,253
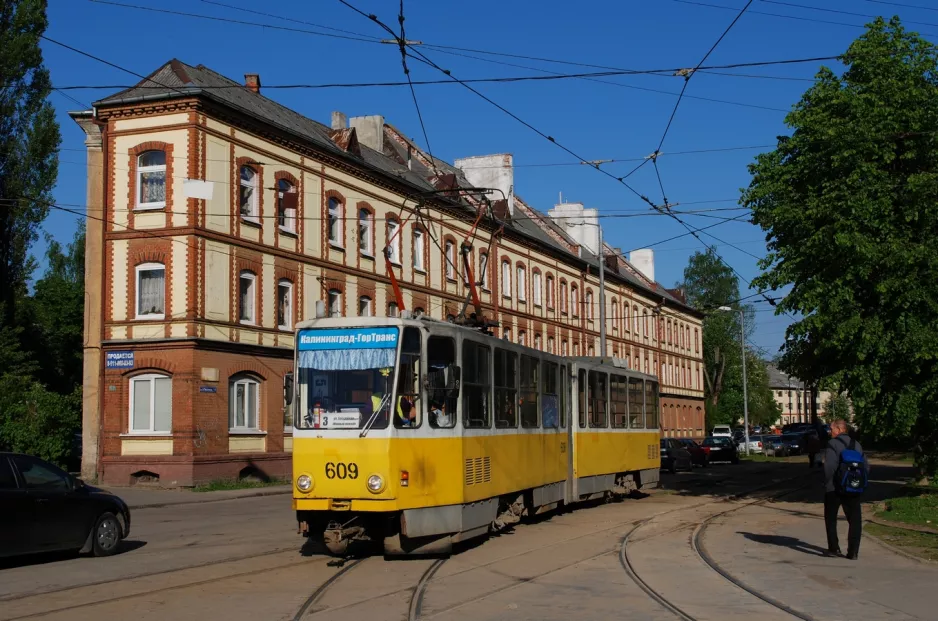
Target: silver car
x,y
774,447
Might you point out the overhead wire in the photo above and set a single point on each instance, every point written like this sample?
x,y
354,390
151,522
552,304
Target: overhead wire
x,y
840,11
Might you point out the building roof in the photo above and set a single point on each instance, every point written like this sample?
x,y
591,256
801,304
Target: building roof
x,y
178,79
778,379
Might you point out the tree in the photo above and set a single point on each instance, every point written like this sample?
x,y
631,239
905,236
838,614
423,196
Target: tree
x,y
29,142
837,406
849,204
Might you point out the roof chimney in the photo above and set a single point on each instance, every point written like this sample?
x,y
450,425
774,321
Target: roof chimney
x,y
370,130
581,224
252,81
339,120
644,262
491,171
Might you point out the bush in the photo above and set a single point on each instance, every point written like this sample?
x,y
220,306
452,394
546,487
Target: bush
x,y
36,421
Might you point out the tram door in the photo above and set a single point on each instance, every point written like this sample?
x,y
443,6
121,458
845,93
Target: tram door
x,y
571,408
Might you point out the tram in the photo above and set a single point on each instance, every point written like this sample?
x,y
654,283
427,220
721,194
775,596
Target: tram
x,y
416,434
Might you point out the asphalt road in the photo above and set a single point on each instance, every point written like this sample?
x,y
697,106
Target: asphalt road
x,y
242,559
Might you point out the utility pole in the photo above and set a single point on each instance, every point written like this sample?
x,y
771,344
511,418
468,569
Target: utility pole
x,y
602,295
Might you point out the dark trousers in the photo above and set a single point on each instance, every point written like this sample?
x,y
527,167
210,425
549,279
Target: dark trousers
x,y
851,504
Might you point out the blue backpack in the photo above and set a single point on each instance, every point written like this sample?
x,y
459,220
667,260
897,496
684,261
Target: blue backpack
x,y
850,477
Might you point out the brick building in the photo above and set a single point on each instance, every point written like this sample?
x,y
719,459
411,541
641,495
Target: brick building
x,y
218,218
793,398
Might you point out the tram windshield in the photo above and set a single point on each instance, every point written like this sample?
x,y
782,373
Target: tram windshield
x,y
345,377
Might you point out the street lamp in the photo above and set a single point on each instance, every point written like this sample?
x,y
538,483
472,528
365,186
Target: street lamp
x,y
742,340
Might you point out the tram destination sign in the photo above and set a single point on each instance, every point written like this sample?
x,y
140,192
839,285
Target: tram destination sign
x,y
348,338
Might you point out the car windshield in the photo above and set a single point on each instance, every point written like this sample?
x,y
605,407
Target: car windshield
x,y
716,442
345,377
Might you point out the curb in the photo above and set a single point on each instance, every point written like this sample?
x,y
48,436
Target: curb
x,y
897,550
197,501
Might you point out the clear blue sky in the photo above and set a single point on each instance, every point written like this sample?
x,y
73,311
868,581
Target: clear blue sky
x,y
596,120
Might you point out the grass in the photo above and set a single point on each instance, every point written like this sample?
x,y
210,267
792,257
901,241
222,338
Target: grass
x,y
920,509
221,485
757,457
923,545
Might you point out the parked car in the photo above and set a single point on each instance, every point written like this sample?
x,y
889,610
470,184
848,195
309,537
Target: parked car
x,y
697,453
795,442
674,456
755,444
720,449
722,431
46,509
774,446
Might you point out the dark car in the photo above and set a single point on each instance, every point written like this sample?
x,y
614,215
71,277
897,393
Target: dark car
x,y
795,442
697,454
773,445
721,449
46,509
674,456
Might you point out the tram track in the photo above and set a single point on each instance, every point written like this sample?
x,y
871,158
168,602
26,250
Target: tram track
x,y
699,549
321,590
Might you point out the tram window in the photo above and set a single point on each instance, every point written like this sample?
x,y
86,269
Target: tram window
x,y
506,389
651,405
529,388
476,385
442,382
407,413
581,396
619,401
636,418
597,399
566,402
550,402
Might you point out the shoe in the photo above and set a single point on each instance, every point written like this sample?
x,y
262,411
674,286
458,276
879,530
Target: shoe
x,y
852,556
834,552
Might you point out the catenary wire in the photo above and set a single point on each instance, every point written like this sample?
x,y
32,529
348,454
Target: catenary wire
x,y
840,11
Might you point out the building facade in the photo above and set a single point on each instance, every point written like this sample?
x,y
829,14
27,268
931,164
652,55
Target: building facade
x,y
217,219
793,398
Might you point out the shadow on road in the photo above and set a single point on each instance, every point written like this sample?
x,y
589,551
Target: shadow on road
x,y
42,558
792,543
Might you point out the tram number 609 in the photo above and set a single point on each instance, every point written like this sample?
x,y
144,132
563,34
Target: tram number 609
x,y
341,471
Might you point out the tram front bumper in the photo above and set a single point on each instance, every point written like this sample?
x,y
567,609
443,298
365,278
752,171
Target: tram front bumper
x,y
362,505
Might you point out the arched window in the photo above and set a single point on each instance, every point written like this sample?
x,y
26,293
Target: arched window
x,y
418,248
615,315
393,311
576,348
151,404
151,291
696,341
669,332
626,316
591,351
550,345
550,292
506,278
285,304
247,194
563,297
574,302
364,306
536,287
243,403
286,205
588,302
483,275
506,334
563,347
335,216
687,337
151,180
522,284
635,320
537,341
449,257
394,241
366,244
335,303
521,337
247,297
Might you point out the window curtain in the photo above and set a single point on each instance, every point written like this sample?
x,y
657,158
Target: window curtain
x,y
152,291
153,187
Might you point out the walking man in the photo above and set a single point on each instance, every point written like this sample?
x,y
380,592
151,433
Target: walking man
x,y
845,476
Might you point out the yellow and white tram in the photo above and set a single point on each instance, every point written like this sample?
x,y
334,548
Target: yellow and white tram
x,y
419,433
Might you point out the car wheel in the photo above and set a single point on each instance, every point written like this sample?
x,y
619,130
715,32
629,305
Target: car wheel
x,y
673,467
107,535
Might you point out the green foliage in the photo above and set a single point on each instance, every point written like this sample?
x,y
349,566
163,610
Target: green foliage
x,y
37,421
710,284
837,406
29,142
849,203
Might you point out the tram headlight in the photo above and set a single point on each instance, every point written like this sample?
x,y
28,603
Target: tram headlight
x,y
304,483
375,484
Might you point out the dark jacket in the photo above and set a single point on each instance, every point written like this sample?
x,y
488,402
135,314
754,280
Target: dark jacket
x,y
832,458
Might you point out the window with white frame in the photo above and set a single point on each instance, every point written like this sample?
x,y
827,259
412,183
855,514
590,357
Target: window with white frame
x,y
588,300
285,305
635,320
286,205
521,337
243,404
536,288
151,291
247,297
247,194
563,297
506,334
537,341
151,180
574,301
550,291
418,248
335,221
484,270
550,345
563,348
449,256
394,241
522,284
506,279
364,306
365,233
151,404
393,311
335,303
615,316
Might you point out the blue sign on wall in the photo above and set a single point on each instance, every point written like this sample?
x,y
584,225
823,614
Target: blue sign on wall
x,y
348,338
119,359
208,389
